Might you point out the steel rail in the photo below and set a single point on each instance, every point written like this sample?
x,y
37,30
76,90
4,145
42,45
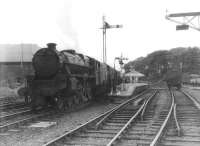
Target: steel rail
x,y
12,105
5,117
141,109
146,103
13,124
79,128
195,101
99,124
117,136
158,135
176,121
89,123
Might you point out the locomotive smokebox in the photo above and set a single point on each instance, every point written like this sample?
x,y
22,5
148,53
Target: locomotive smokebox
x,y
46,62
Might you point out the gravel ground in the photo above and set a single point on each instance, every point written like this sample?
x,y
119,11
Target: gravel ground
x,y
164,99
24,136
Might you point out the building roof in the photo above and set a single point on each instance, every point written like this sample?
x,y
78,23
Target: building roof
x,y
194,75
17,52
134,73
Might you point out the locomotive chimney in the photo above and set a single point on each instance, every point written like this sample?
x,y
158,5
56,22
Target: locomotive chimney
x,y
51,46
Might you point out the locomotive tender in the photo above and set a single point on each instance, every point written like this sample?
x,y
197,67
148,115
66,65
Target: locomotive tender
x,y
65,79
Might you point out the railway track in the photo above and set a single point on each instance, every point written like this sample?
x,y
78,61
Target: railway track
x,y
12,106
184,130
12,111
147,131
106,128
22,118
14,115
19,117
9,114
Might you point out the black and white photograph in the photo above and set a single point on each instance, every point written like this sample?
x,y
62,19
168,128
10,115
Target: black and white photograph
x,y
99,73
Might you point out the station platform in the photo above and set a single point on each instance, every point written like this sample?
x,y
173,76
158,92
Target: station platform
x,y
192,87
128,89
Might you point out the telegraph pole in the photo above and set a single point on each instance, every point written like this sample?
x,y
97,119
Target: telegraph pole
x,y
22,55
103,19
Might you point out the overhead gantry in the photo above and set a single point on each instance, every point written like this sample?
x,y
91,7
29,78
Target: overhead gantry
x,y
185,20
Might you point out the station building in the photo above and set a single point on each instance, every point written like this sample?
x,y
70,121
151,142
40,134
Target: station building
x,y
133,76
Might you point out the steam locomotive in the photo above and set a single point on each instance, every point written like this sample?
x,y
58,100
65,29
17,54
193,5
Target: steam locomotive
x,y
64,79
173,78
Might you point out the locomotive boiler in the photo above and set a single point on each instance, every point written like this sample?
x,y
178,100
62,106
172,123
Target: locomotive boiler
x,y
64,79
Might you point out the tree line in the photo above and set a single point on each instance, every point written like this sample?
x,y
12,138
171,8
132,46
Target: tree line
x,y
156,64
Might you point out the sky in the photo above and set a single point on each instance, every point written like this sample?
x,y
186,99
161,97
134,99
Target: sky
x,y
74,24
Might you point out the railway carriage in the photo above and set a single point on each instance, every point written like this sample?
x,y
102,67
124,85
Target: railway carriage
x,y
65,79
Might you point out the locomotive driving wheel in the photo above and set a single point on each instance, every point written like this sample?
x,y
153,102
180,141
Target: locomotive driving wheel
x,y
77,99
81,93
33,104
89,94
60,103
69,103
27,99
84,92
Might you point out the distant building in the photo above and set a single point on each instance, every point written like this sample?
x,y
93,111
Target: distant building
x,y
133,76
16,61
17,52
194,78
